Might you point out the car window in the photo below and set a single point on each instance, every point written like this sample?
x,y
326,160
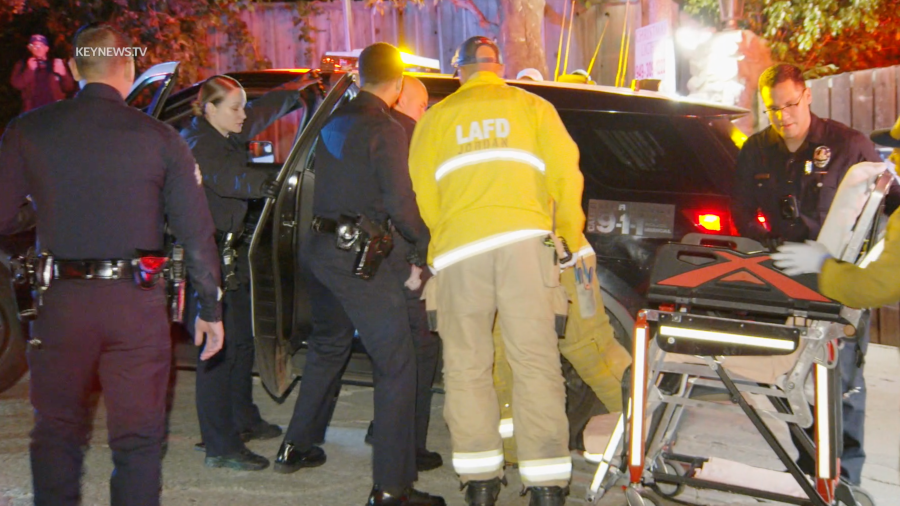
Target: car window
x,y
145,95
636,152
282,134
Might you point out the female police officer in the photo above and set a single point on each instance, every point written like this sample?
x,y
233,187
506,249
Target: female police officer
x,y
218,137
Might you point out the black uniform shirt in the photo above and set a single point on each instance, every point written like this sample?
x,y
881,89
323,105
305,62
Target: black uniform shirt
x,y
228,178
767,173
362,167
409,126
104,177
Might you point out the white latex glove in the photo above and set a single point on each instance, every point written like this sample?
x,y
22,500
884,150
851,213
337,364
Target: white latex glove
x,y
415,278
848,203
795,258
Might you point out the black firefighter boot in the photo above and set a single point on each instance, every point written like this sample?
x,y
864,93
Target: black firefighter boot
x,y
548,496
483,492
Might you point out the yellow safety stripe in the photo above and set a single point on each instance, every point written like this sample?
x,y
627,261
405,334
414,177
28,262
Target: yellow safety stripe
x,y
484,245
490,155
544,470
478,462
506,428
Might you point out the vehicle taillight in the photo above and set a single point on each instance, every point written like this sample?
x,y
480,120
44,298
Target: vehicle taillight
x,y
711,222
761,218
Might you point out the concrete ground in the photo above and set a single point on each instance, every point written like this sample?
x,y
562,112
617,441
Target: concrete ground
x,y
345,479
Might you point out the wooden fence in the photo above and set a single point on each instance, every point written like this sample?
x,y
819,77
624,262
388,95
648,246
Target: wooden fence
x,y
866,100
433,30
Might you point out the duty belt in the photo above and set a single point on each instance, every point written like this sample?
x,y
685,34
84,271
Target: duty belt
x,y
93,269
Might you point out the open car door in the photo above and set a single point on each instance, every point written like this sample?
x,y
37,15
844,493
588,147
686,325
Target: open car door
x,y
150,90
278,290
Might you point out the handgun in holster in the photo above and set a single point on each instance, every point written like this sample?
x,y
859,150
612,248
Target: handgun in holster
x,y
372,242
175,283
229,262
31,276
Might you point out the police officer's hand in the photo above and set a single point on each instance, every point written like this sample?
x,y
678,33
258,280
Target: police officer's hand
x,y
771,241
270,189
211,333
414,282
306,80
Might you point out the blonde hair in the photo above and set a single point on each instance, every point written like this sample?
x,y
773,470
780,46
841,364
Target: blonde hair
x,y
213,91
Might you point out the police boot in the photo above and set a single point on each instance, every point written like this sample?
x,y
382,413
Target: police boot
x,y
405,497
483,492
547,496
290,459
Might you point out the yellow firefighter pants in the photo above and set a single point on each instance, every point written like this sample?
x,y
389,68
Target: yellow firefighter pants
x,y
590,346
517,281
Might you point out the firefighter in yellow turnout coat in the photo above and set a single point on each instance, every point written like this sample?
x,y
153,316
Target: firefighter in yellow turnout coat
x,y
486,163
589,345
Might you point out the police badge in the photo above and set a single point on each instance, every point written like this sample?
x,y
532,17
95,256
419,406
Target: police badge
x,y
821,157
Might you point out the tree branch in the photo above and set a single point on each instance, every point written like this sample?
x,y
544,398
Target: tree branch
x,y
470,6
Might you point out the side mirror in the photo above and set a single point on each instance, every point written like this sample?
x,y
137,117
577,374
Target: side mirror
x,y
261,151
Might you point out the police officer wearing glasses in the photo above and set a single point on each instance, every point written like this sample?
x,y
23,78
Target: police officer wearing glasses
x,y
362,181
104,178
787,177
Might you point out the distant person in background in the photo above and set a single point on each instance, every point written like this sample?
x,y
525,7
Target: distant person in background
x,y
529,75
39,81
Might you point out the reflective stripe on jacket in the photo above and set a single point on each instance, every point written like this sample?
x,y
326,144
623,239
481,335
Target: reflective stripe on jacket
x,y
486,163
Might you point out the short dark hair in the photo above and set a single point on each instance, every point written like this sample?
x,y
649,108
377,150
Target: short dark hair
x,y
96,35
380,63
777,74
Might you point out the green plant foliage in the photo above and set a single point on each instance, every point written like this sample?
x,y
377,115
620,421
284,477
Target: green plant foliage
x,y
170,30
820,36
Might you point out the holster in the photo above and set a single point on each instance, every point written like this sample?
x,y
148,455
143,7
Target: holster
x,y
228,254
31,276
372,242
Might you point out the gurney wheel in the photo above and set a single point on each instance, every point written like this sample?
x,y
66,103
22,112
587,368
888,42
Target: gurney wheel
x,y
668,489
635,498
862,497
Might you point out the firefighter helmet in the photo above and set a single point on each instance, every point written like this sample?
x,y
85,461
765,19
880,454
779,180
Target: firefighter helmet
x,y
466,54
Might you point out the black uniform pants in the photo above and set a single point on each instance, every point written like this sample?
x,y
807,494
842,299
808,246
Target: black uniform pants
x,y
117,335
225,382
376,308
427,344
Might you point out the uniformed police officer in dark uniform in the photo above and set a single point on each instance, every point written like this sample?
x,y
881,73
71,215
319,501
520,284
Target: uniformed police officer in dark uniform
x,y
223,124
403,261
103,177
361,169
789,173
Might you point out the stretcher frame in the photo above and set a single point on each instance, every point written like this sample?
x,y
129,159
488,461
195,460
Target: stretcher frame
x,y
639,454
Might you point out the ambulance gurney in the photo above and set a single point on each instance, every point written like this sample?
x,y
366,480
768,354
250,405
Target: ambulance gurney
x,y
724,317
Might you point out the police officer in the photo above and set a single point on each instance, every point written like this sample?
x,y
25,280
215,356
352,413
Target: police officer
x,y
876,285
223,124
103,177
486,162
789,174
361,177
409,108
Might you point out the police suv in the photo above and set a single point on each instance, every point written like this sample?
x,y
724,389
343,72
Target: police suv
x,y
655,168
